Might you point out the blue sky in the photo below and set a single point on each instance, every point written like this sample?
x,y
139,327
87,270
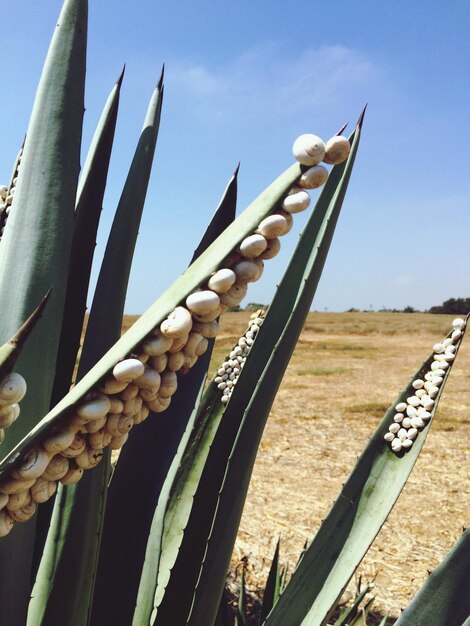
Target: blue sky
x,y
243,80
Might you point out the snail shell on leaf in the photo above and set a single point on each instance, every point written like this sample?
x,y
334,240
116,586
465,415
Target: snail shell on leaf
x,y
12,388
42,490
159,404
308,149
253,246
111,386
76,447
274,245
25,513
178,344
89,458
96,425
337,150
176,361
196,344
235,294
297,201
208,317
72,476
210,330
158,363
177,324
128,370
18,500
32,465
314,177
203,302
150,379
222,280
273,226
13,485
7,416
58,467
247,271
156,344
94,408
169,384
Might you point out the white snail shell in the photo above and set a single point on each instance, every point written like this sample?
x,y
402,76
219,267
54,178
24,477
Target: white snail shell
x,y
253,246
177,324
273,226
247,271
12,388
128,370
314,177
222,280
156,345
337,150
308,149
203,302
297,201
274,245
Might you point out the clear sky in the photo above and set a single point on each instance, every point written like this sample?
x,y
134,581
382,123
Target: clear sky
x,y
243,80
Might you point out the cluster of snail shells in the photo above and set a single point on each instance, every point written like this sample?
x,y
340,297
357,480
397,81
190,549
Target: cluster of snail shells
x,y
310,150
411,416
145,381
12,391
6,199
229,372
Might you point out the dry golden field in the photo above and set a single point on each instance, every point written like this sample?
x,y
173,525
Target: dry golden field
x,y
346,371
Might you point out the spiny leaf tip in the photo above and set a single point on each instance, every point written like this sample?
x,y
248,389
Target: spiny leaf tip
x,y
361,116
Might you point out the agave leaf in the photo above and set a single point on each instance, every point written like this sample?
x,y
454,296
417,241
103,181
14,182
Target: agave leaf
x,y
34,255
444,597
384,621
350,611
352,524
11,350
241,605
201,490
191,279
65,580
87,215
273,585
145,461
258,384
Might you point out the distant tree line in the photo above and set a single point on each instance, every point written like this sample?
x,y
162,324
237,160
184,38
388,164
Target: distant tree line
x,y
453,306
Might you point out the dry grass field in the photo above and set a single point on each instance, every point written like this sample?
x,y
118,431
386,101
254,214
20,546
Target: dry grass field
x,y
346,370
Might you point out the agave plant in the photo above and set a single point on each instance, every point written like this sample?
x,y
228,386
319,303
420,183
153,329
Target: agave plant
x,y
149,541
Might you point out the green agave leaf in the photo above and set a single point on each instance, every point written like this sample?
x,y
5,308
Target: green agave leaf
x,y
352,524
191,279
384,621
188,516
443,600
351,610
145,461
65,580
273,585
87,216
257,386
34,256
11,350
11,189
241,606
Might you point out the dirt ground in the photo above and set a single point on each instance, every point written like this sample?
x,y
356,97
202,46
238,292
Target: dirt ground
x,y
346,371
